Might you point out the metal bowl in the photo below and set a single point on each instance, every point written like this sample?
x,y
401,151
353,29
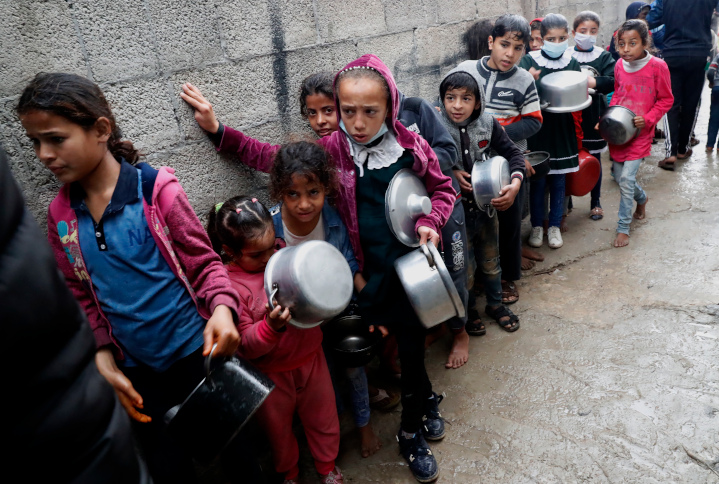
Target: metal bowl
x,y
564,92
351,343
540,162
617,125
488,178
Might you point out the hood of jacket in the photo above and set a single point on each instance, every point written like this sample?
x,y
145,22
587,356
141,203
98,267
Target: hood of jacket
x,y
469,67
635,8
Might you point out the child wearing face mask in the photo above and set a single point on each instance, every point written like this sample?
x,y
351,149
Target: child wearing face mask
x,y
601,65
560,134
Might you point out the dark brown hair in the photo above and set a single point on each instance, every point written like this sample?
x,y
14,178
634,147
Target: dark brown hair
x,y
302,158
318,83
639,26
365,73
80,101
476,38
236,221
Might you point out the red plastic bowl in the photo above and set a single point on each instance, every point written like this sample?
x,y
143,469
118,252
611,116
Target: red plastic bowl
x,y
581,182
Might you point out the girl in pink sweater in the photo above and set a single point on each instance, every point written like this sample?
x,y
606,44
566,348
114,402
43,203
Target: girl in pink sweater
x,y
242,232
642,84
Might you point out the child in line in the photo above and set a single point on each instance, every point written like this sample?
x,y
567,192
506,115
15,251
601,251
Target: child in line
x,y
513,101
601,65
370,148
713,78
642,84
558,135
136,257
535,40
242,232
317,104
462,104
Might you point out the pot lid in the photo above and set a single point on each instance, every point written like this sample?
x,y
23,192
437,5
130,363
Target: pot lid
x,y
406,201
568,109
447,280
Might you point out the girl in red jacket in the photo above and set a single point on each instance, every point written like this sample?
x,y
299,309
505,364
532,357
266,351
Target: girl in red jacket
x,y
642,84
242,231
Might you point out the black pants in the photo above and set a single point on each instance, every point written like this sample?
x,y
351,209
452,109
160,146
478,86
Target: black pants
x,y
510,238
687,75
454,245
167,461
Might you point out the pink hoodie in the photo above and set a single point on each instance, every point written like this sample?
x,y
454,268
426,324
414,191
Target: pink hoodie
x,y
260,156
648,93
178,234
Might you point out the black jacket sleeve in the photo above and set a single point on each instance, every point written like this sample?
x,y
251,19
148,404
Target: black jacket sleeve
x,y
432,129
523,129
506,148
605,80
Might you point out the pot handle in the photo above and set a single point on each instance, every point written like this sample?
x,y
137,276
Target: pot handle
x,y
591,91
543,105
275,288
489,210
427,254
208,359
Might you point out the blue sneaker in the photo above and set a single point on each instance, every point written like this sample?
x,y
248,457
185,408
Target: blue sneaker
x,y
419,457
432,421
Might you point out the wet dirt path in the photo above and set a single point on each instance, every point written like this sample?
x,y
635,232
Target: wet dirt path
x,y
614,374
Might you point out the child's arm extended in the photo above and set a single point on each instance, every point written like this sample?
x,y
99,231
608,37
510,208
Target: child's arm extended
x,y
605,80
439,187
664,98
261,337
251,152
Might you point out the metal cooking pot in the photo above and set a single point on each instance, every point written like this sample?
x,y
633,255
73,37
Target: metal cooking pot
x,y
406,200
429,286
313,279
488,178
617,125
217,409
351,343
564,92
540,162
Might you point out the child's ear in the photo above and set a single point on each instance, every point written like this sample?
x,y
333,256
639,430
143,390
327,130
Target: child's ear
x,y
103,127
226,249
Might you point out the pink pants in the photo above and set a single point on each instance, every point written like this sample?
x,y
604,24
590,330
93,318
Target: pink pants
x,y
307,390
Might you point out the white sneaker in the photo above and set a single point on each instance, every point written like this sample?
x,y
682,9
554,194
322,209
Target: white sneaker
x,y
554,235
536,237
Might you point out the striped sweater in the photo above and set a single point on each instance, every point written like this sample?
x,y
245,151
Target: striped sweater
x,y
512,100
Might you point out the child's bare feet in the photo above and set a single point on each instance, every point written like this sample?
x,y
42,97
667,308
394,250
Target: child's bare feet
x,y
532,254
641,211
368,440
563,227
459,354
622,240
527,264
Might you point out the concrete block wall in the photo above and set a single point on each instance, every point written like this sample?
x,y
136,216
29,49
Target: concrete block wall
x,y
247,56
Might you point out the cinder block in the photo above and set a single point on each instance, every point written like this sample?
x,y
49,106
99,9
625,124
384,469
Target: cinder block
x,y
397,51
187,32
241,93
429,85
441,46
36,36
455,10
117,38
344,20
144,112
492,8
403,15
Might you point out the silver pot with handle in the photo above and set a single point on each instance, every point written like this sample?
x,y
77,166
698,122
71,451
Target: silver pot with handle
x,y
564,92
406,201
313,279
429,286
488,178
616,126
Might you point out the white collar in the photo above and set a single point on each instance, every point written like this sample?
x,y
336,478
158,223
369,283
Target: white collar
x,y
559,63
382,155
636,65
586,56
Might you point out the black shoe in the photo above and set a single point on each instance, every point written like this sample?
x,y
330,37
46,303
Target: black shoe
x,y
418,455
432,421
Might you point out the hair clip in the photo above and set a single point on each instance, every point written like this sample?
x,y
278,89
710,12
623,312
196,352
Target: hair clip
x,y
254,200
218,206
238,210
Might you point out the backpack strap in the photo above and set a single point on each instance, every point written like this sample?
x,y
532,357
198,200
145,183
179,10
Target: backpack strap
x,y
149,175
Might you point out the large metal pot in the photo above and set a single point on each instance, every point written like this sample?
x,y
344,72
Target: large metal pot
x,y
617,125
540,162
313,279
429,286
564,92
406,200
350,341
488,178
217,409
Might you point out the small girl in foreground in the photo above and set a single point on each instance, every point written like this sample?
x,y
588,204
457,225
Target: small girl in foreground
x,y
642,84
241,230
137,260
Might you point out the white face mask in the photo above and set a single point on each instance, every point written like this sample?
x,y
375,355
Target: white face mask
x,y
585,42
555,50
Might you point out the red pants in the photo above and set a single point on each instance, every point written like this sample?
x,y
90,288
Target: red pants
x,y
307,390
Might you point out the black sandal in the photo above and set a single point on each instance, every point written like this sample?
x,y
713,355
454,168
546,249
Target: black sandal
x,y
475,326
503,312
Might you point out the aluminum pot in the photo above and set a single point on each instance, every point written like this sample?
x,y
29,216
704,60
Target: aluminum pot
x,y
313,279
488,178
429,286
540,162
217,409
617,125
564,92
350,341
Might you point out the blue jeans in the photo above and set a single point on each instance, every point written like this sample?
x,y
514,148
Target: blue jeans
x,y
626,176
483,245
713,118
556,199
359,392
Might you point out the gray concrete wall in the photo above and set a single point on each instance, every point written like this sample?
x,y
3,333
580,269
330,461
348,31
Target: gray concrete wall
x,y
247,56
